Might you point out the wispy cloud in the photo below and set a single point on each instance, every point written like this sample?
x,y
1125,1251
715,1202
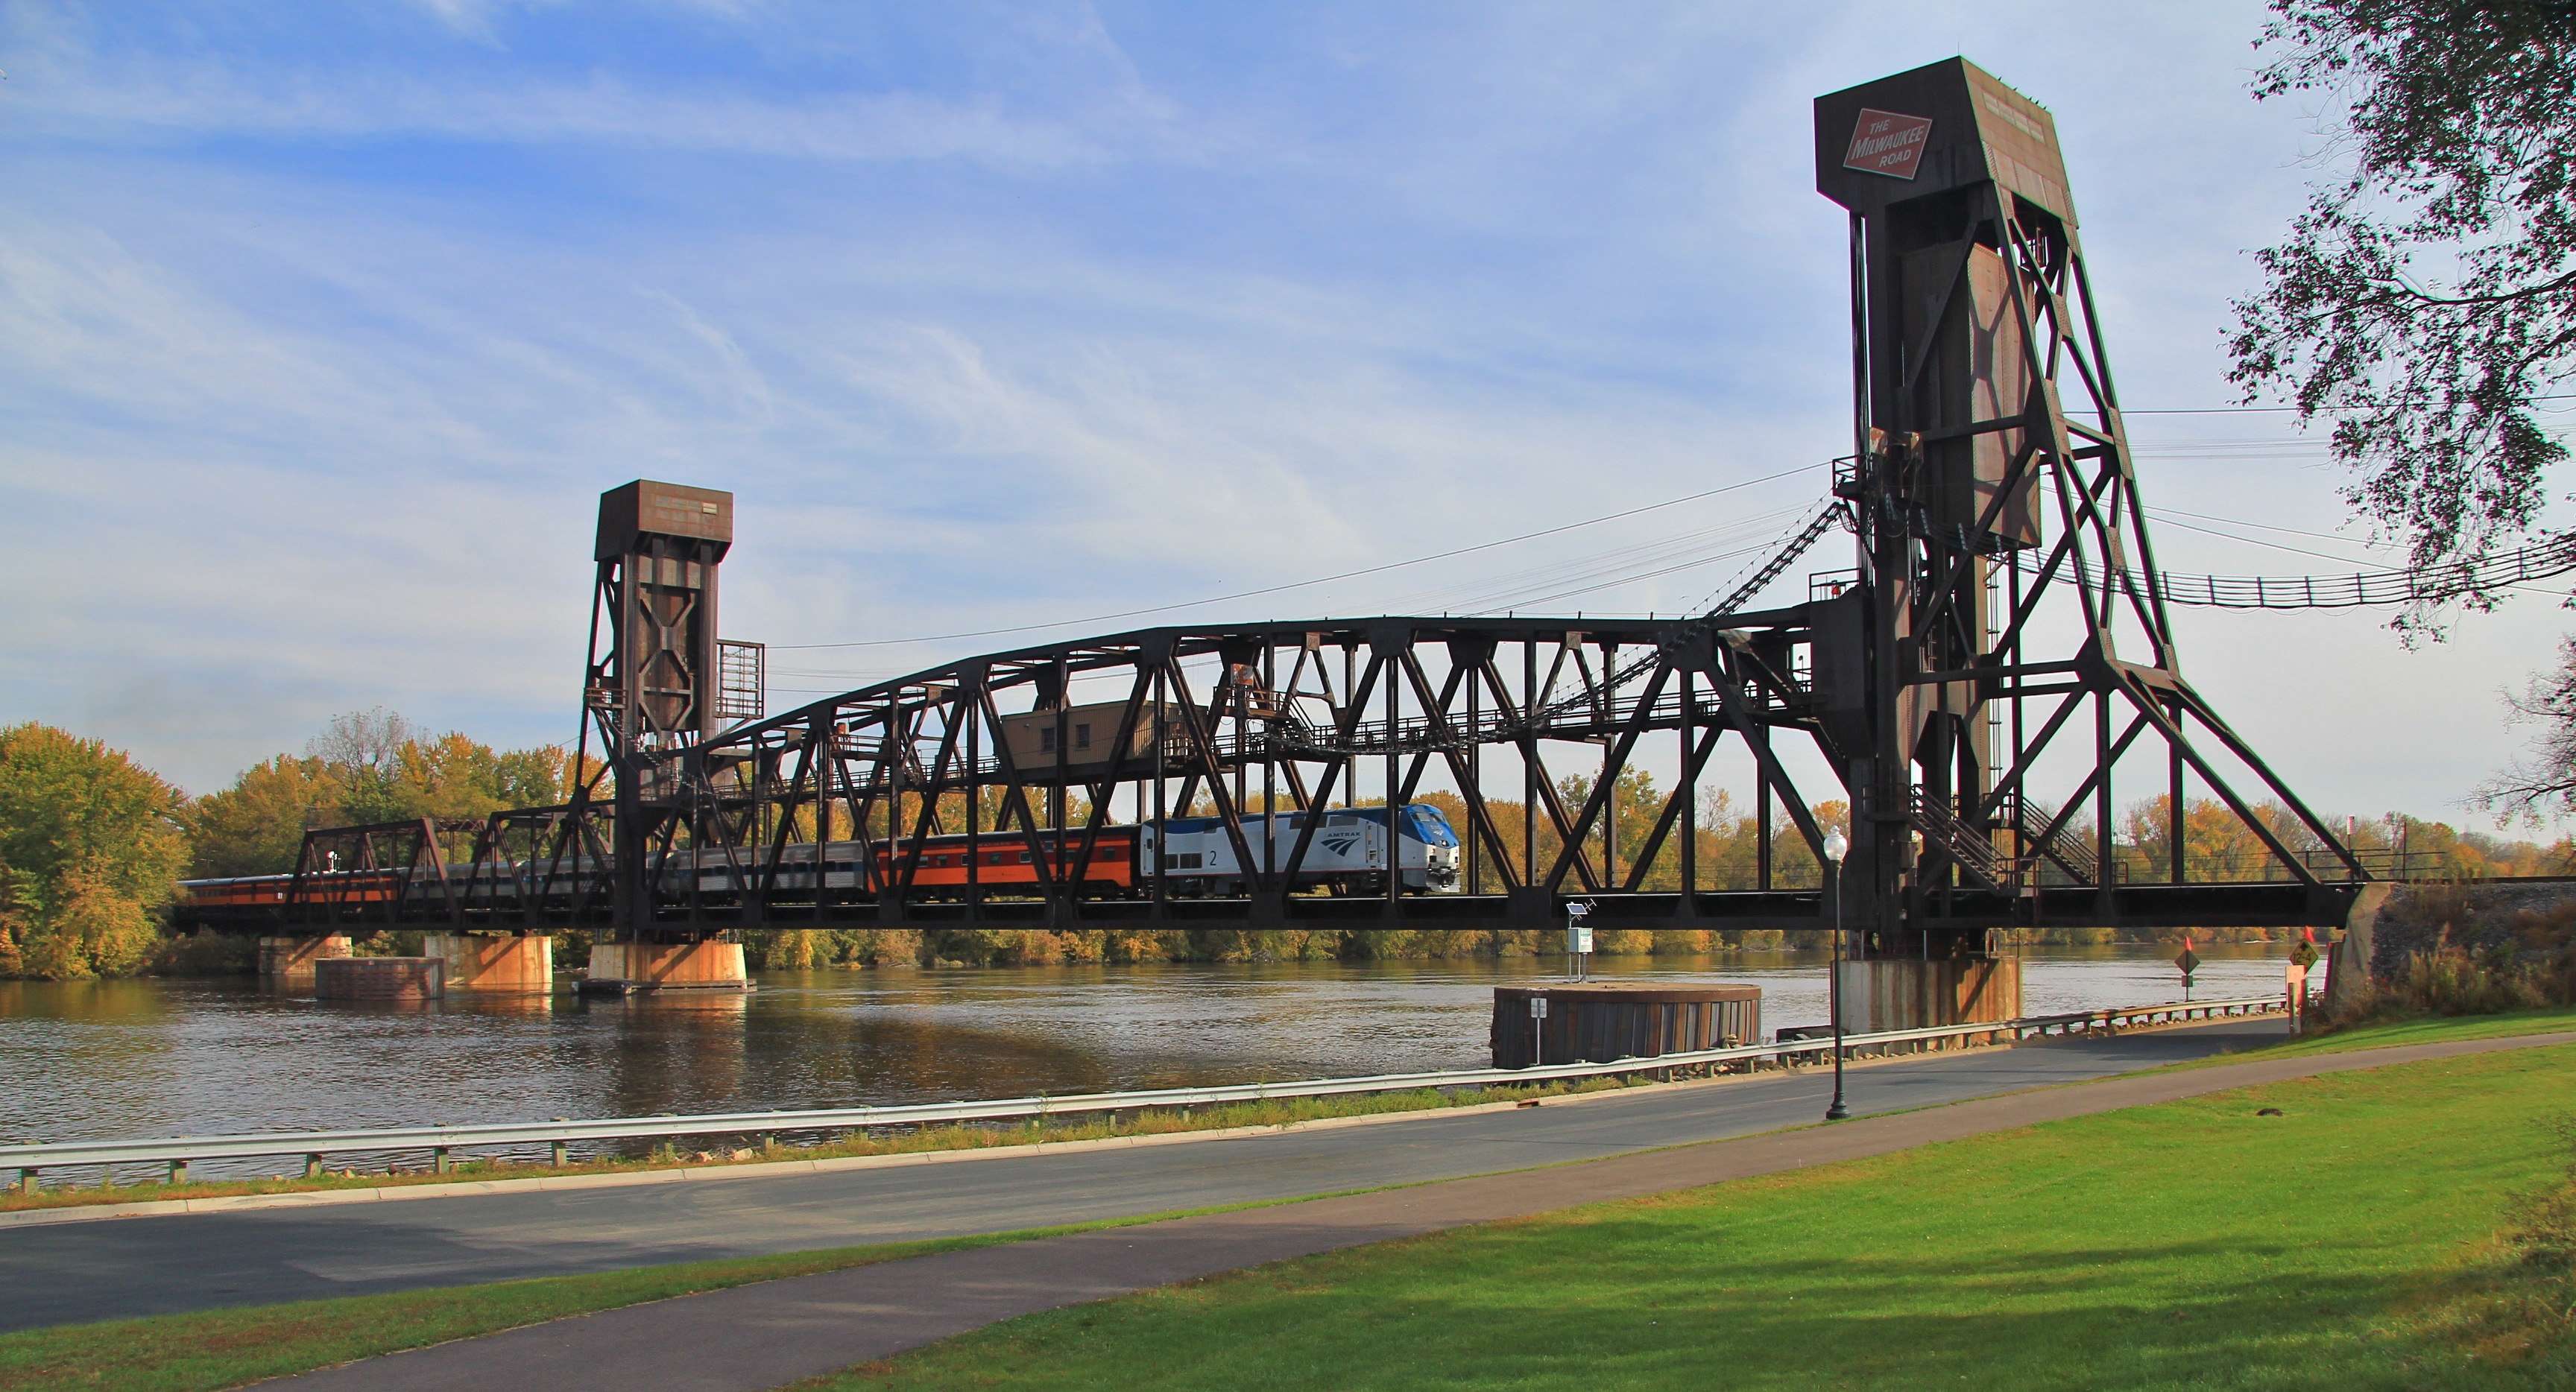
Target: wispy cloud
x,y
1098,111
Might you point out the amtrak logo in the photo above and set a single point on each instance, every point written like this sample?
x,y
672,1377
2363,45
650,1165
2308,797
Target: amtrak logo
x,y
1340,845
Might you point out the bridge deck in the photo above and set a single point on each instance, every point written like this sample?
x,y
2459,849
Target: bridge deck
x,y
2242,904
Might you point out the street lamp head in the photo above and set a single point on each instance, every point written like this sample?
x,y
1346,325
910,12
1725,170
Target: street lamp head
x,y
1837,846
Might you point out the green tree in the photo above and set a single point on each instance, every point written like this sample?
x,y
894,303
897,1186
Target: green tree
x,y
90,848
2427,296
369,766
256,826
452,776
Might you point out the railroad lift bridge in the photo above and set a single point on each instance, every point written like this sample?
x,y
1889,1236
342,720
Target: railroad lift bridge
x,y
2004,608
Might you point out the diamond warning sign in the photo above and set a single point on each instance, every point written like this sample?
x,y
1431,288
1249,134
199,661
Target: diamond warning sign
x,y
1887,142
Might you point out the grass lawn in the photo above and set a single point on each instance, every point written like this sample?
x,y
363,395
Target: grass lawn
x,y
2346,1244
2429,1029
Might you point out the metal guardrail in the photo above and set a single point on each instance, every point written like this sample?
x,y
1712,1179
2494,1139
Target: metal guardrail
x,y
441,1141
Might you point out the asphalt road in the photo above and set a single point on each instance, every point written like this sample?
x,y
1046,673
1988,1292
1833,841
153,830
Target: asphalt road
x,y
81,1272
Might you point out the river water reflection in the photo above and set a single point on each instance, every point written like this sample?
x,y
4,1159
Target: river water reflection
x,y
172,1057
132,1058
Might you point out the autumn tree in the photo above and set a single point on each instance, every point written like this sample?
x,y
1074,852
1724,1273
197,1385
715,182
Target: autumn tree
x,y
90,847
256,826
369,766
452,776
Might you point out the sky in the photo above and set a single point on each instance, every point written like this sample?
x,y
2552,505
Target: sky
x,y
322,327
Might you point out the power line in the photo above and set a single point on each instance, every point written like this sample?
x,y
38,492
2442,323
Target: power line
x,y
2167,512
1553,531
2169,521
1302,584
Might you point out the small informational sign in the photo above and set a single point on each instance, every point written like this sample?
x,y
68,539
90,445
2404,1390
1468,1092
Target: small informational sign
x,y
1578,938
2188,960
1538,1007
1888,142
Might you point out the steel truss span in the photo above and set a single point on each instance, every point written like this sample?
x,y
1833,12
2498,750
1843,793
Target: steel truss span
x,y
1051,760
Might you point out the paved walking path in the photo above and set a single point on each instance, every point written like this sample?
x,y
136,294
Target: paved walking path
x,y
763,1336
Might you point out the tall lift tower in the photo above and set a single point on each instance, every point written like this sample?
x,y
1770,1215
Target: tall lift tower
x,y
2007,587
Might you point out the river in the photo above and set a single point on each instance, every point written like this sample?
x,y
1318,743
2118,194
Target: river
x,y
162,1057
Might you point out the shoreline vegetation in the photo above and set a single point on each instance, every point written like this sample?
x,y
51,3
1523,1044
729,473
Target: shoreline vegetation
x,y
2476,1284
93,846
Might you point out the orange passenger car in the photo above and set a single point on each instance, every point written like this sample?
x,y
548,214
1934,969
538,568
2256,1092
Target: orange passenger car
x,y
1004,860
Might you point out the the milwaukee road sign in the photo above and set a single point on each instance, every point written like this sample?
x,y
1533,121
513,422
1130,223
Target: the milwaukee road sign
x,y
1884,142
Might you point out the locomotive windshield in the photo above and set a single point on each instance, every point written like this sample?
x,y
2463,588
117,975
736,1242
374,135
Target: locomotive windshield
x,y
1428,826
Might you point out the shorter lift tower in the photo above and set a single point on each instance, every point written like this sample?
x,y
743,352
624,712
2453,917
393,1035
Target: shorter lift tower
x,y
655,691
2006,582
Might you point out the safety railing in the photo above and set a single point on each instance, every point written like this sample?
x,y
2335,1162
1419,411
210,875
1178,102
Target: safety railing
x,y
441,1142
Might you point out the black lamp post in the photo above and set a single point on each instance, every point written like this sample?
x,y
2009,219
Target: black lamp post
x,y
1836,847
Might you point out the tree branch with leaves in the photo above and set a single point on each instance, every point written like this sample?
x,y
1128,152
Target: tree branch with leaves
x,y
2425,301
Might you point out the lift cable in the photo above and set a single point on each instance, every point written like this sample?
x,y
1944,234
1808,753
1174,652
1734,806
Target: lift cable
x,y
1741,590
1824,517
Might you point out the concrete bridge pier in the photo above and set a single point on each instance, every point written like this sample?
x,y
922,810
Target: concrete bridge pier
x,y
490,962
623,968
287,963
1894,993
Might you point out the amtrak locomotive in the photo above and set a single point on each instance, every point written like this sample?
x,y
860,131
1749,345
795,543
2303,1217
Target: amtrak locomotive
x,y
1348,854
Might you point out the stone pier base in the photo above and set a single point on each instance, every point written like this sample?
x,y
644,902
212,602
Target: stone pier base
x,y
1909,993
476,962
620,967
288,962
